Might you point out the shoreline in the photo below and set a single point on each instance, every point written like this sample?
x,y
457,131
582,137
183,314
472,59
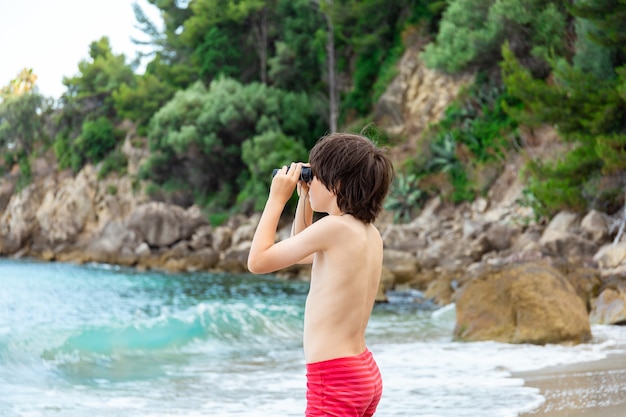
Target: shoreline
x,y
590,389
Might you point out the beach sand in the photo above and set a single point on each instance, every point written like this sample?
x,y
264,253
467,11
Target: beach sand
x,y
590,389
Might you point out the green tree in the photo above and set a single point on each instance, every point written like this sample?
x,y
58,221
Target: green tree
x,y
100,75
21,122
471,33
590,114
609,19
298,56
138,103
197,137
262,154
171,59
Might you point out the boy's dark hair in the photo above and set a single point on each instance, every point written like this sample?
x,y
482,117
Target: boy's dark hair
x,y
356,170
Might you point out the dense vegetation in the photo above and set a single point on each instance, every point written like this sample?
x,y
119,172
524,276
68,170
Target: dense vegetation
x,y
235,88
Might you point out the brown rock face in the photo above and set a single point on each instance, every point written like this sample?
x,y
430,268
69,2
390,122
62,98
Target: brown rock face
x,y
521,303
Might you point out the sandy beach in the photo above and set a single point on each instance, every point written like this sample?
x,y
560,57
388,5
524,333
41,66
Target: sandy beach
x,y
590,389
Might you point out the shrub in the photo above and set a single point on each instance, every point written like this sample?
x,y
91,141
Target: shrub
x,y
96,140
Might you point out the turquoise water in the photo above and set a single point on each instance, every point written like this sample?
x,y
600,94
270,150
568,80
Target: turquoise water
x,y
102,341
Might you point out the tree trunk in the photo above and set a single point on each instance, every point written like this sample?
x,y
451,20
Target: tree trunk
x,y
259,29
333,91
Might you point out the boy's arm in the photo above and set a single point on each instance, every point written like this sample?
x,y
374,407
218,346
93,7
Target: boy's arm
x,y
303,217
263,253
318,237
304,213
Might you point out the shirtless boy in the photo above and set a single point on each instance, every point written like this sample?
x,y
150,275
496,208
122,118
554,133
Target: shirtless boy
x,y
351,177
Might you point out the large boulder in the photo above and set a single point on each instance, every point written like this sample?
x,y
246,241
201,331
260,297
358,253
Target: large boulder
x,y
161,224
116,244
521,303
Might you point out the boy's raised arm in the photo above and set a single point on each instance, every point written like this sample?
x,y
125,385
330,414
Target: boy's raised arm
x,y
261,259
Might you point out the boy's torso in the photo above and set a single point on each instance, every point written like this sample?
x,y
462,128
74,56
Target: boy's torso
x,y
344,283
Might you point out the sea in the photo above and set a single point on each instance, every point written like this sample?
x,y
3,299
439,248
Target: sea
x,y
98,340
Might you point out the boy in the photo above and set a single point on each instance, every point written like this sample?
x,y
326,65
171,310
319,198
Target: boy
x,y
351,177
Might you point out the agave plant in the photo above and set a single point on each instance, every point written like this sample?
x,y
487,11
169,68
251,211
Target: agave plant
x,y
443,154
404,197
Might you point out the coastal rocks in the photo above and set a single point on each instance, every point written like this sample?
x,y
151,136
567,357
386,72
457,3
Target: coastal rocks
x,y
521,303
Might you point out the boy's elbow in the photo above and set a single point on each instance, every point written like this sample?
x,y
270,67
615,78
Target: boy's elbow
x,y
254,267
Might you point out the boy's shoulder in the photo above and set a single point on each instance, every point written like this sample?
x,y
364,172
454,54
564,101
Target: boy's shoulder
x,y
336,226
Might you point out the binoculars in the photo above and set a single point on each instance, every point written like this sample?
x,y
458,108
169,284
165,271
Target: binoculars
x,y
305,175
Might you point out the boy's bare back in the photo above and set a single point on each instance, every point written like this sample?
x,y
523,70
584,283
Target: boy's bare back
x,y
344,283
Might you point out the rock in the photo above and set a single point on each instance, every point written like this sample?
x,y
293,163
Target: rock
x,y
568,245
417,96
610,306
476,248
143,250
18,223
611,256
202,238
161,224
500,236
431,256
65,210
402,265
6,192
595,226
563,222
115,244
440,290
235,259
521,303
243,233
586,283
387,282
222,237
204,259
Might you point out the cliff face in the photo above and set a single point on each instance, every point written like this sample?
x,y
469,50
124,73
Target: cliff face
x,y
417,97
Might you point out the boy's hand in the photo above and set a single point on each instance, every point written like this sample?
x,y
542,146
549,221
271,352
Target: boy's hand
x,y
284,182
303,187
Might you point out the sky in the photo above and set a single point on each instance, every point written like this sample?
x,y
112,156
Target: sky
x,y
53,36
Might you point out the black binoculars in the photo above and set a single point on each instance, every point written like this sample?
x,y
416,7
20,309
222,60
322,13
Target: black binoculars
x,y
305,175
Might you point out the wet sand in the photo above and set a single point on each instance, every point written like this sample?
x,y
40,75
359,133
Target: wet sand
x,y
590,389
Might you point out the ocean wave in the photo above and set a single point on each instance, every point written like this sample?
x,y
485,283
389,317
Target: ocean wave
x,y
221,323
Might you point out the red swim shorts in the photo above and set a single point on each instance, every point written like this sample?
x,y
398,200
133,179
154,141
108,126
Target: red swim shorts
x,y
343,387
